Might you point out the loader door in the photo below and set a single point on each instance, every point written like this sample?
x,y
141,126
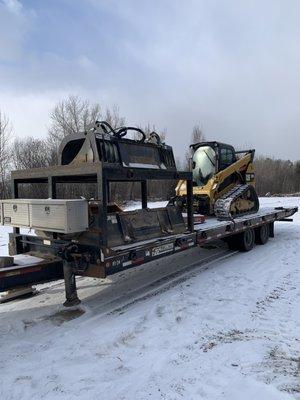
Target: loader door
x,y
204,165
226,157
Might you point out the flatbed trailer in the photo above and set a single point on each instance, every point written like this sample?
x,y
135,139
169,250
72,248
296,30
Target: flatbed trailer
x,y
119,258
111,240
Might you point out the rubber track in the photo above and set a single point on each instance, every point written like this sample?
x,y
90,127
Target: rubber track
x,y
223,204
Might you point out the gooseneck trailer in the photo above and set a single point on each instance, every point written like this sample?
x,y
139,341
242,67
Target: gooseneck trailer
x,y
95,237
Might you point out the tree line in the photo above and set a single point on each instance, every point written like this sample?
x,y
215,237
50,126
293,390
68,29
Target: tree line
x,y
73,115
275,176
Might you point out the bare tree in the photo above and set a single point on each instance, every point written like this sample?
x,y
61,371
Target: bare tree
x,y
70,116
197,136
73,115
30,153
113,117
5,152
297,176
148,130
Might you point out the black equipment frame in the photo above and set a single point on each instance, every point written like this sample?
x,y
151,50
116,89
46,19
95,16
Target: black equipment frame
x,y
101,174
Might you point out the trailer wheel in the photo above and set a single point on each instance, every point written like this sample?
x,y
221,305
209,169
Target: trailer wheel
x,y
245,240
262,234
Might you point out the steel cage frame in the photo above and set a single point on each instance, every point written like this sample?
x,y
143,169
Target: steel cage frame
x,y
102,175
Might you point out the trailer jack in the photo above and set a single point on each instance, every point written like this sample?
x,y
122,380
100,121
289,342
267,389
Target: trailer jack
x,y
70,285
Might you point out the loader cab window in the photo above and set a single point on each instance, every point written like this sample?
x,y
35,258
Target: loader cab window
x,y
226,157
204,165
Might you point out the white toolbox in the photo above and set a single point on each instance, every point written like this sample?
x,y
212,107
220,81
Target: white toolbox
x,y
15,213
64,216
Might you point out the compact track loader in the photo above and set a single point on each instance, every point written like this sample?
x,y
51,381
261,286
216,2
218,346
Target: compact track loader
x,y
223,181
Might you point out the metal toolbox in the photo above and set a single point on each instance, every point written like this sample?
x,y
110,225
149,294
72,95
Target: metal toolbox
x,y
15,213
64,216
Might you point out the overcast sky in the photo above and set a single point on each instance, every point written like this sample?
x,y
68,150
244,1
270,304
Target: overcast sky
x,y
231,66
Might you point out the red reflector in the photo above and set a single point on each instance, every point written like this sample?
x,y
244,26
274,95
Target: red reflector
x,y
199,218
184,246
31,269
138,261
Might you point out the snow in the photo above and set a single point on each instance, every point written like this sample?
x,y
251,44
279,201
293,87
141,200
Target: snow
x,y
4,232
227,329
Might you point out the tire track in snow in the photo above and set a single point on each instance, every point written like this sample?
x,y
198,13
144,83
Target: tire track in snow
x,y
169,281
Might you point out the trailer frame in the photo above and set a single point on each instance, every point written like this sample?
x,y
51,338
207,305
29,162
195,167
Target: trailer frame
x,y
121,258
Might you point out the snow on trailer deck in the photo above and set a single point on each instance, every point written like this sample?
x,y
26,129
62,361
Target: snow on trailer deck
x,y
213,222
225,329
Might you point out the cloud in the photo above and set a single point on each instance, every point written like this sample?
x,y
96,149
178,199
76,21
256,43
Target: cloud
x,y
29,112
86,63
15,23
231,66
14,6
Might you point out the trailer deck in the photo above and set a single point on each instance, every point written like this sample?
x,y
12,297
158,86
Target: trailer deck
x,y
122,257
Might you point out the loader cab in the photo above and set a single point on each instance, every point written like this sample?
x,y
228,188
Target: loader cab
x,y
209,158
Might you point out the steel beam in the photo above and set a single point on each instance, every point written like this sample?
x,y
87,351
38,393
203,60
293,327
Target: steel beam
x,y
144,190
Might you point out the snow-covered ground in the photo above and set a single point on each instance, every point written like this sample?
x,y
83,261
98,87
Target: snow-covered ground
x,y
224,330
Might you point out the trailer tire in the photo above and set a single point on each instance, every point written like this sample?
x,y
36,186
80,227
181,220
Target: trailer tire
x,y
262,234
245,240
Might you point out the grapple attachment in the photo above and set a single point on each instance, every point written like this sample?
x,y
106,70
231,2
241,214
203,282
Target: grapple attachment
x,y
104,144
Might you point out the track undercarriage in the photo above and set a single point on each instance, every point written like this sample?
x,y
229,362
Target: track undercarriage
x,y
240,200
